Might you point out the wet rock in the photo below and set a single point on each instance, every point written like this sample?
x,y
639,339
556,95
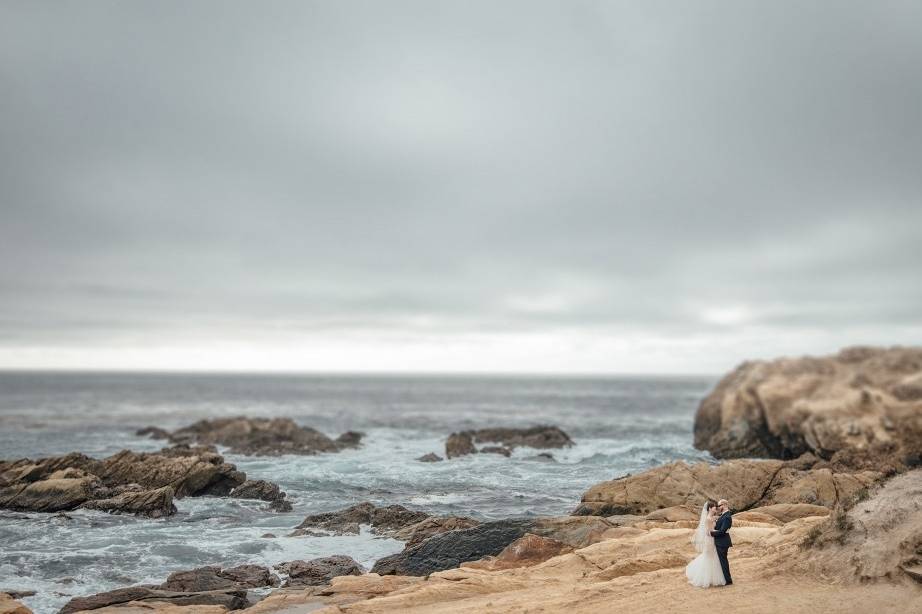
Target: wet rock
x,y
154,432
421,531
131,482
263,436
230,599
501,450
316,572
462,443
268,535
17,594
213,578
264,491
154,503
431,457
545,457
383,520
858,407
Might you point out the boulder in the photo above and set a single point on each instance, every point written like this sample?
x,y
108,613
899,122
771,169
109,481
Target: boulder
x,y
229,599
263,436
744,483
431,457
9,605
212,578
860,408
530,549
673,514
463,443
264,491
154,503
316,572
383,520
154,432
157,607
424,529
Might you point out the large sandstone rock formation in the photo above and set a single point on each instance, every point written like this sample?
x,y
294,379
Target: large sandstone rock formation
x,y
862,405
463,443
257,436
744,483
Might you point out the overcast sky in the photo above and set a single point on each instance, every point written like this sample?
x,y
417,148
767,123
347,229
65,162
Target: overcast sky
x,y
465,186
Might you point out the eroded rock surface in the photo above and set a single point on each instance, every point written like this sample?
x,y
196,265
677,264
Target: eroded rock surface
x,y
862,406
383,520
319,571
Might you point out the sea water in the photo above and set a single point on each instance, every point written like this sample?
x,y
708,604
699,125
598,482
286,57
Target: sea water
x,y
620,425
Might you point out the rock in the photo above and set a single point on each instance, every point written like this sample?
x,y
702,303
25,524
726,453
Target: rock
x,y
157,607
263,436
421,531
545,457
229,599
448,550
154,432
319,571
16,594
673,514
528,550
154,503
858,408
212,578
9,605
268,535
431,457
745,483
496,450
264,491
462,443
131,482
383,520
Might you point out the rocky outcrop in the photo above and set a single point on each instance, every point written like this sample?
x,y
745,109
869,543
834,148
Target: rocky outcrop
x,y
744,483
9,605
527,550
212,578
464,442
450,549
264,491
862,407
383,520
431,457
229,599
258,436
319,571
141,483
424,529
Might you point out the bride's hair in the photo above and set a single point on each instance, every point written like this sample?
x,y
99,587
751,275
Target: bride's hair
x,y
710,504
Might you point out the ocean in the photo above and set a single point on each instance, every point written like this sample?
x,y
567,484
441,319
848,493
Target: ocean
x,y
620,425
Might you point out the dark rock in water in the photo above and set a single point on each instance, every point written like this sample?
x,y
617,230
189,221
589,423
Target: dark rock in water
x,y
213,578
154,432
17,594
264,491
546,457
154,503
383,520
501,450
263,436
431,457
268,535
449,550
230,599
319,571
462,443
133,482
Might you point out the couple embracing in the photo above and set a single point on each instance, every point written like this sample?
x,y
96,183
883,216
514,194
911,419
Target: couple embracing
x,y
711,540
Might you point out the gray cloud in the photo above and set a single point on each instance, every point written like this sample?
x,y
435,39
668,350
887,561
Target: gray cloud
x,y
710,173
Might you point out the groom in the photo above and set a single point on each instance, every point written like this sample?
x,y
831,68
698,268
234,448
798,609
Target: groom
x,y
722,538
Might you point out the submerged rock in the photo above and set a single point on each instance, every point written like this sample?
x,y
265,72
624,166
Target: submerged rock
x,y
862,406
463,443
264,491
316,572
260,436
431,457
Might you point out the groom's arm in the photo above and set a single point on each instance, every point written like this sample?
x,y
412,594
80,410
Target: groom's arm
x,y
721,527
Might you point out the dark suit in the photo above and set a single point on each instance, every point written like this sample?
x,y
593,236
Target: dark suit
x,y
723,543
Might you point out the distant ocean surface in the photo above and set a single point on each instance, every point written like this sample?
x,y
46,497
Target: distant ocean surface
x,y
620,425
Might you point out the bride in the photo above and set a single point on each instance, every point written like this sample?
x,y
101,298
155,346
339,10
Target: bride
x,y
705,570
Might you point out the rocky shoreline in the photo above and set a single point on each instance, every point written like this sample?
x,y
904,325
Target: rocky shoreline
x,y
821,458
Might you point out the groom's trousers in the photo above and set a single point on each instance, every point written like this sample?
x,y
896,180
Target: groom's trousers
x,y
724,563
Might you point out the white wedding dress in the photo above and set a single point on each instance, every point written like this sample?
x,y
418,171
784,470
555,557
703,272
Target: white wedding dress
x,y
705,570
